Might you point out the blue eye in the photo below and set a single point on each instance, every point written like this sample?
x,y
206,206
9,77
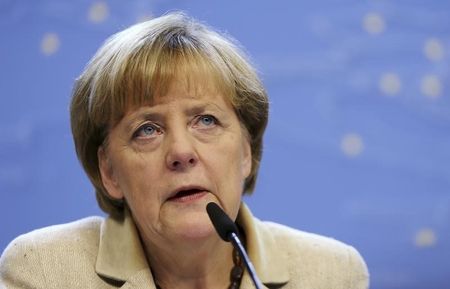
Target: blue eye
x,y
207,120
146,130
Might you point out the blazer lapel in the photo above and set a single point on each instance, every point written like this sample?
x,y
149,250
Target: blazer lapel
x,y
120,255
247,282
140,280
269,260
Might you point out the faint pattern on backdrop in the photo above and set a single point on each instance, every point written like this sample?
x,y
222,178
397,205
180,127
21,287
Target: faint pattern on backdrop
x,y
358,145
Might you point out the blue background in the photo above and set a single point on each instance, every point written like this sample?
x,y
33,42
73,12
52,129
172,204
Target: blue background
x,y
358,144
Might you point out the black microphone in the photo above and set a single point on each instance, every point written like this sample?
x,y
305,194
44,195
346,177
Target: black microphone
x,y
228,231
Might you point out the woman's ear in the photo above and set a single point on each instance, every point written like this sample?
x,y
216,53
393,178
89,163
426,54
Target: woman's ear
x,y
107,174
246,159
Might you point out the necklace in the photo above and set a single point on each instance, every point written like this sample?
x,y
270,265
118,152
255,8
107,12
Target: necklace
x,y
235,275
236,272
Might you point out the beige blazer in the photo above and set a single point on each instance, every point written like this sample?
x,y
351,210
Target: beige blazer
x,y
107,253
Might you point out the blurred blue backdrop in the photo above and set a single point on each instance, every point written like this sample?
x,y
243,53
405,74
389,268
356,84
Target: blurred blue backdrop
x,y
358,144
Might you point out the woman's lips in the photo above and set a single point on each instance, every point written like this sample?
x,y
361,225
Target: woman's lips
x,y
188,195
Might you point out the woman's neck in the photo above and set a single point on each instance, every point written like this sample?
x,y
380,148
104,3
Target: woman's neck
x,y
205,264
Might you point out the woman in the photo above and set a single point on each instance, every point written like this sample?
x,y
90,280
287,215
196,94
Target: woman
x,y
167,117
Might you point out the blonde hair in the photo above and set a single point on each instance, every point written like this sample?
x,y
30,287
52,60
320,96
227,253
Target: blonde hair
x,y
140,62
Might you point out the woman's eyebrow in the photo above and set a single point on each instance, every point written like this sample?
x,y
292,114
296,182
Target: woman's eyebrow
x,y
140,116
159,116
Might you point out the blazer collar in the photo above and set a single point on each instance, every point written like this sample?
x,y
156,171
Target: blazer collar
x,y
269,260
121,256
120,253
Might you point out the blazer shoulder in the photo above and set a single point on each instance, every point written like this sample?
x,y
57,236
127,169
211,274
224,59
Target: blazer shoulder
x,y
64,234
317,256
28,258
303,240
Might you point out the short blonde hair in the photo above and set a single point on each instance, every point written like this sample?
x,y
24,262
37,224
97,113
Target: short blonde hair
x,y
140,62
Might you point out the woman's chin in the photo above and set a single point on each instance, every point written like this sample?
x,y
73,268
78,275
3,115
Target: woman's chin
x,y
195,229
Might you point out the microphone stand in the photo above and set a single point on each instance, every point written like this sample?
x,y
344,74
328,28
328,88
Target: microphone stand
x,y
227,230
251,270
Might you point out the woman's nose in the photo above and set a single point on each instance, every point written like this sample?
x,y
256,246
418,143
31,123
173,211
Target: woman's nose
x,y
181,153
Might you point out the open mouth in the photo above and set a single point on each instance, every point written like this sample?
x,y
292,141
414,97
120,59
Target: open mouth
x,y
187,195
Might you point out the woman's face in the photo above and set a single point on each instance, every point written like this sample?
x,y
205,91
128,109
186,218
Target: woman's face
x,y
170,159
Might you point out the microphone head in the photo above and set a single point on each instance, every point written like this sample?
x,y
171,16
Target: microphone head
x,y
221,222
